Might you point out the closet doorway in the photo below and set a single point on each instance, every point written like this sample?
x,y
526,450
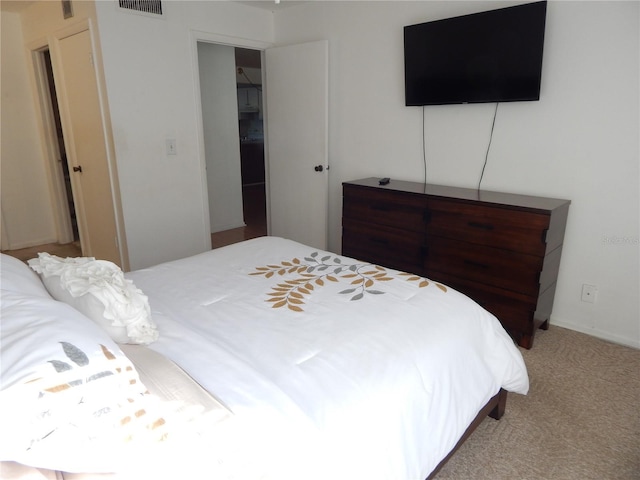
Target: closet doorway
x,y
71,233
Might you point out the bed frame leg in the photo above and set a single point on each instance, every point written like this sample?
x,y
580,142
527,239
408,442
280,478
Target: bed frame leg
x,y
499,409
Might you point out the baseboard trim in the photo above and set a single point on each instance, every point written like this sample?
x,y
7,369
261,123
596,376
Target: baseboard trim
x,y
594,332
229,226
34,243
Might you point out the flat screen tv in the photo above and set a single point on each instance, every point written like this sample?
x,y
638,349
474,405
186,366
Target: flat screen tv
x,y
493,56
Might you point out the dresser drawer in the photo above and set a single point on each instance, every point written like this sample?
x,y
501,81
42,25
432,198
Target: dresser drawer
x,y
398,210
514,311
481,264
383,245
517,231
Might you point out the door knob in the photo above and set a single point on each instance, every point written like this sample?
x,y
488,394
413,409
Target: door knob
x,y
78,169
318,168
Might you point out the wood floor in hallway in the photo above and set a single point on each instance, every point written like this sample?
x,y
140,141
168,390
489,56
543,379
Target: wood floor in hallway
x,y
255,217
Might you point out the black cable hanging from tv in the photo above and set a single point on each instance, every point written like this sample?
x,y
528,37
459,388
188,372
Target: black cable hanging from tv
x,y
424,148
486,157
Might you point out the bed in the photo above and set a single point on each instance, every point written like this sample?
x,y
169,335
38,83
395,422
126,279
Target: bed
x,y
306,363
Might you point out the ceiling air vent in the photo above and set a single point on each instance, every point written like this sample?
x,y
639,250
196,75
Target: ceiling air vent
x,y
146,6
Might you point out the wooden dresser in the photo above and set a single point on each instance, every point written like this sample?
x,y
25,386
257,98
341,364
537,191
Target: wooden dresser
x,y
503,250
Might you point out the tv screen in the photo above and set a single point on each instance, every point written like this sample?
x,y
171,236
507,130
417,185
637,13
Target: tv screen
x,y
493,56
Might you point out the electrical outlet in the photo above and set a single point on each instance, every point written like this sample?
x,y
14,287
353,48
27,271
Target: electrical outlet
x,y
589,293
171,146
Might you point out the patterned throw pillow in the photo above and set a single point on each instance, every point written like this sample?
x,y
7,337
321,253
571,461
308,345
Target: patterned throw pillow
x,y
67,390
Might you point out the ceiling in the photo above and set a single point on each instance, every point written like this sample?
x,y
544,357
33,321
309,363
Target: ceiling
x,y
271,4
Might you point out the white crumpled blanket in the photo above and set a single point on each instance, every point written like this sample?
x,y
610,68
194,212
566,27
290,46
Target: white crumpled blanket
x,y
99,289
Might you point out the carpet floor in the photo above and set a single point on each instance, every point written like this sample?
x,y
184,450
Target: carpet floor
x,y
580,420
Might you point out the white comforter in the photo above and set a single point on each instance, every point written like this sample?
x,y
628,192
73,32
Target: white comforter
x,y
333,368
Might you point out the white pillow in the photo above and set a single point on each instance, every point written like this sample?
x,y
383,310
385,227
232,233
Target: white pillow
x,y
70,399
99,289
16,276
67,390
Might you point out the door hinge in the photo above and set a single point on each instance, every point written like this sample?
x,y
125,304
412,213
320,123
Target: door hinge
x,y
91,59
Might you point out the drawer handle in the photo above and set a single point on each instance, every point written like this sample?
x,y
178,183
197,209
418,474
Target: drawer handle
x,y
471,263
379,241
483,226
380,207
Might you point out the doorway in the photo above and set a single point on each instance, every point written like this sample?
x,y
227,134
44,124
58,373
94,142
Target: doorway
x,y
296,158
232,116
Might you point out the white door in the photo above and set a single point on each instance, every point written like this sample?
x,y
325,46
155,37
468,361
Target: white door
x,y
297,105
77,85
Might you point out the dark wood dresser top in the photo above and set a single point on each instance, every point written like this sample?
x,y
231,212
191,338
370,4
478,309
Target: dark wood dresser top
x,y
528,202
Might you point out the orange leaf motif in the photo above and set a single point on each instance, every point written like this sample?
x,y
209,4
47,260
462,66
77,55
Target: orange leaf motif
x,y
107,353
310,275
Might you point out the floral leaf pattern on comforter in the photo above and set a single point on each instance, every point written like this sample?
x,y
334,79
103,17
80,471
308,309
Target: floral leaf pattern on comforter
x,y
302,277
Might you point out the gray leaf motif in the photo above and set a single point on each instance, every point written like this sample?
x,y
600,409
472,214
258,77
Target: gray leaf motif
x,y
60,366
97,376
76,355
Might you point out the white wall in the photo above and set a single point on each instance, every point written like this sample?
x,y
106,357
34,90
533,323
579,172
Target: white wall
x,y
27,217
149,66
579,142
217,66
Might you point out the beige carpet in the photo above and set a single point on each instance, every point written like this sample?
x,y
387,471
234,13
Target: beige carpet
x,y
580,420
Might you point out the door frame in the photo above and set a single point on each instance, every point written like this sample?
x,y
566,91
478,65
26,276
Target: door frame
x,y
46,129
206,37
